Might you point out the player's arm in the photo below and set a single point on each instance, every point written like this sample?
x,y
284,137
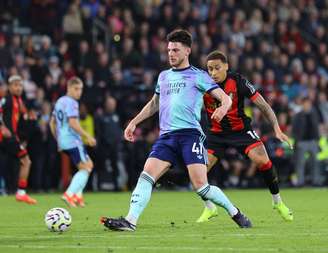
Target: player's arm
x,y
75,124
52,125
147,111
226,103
269,114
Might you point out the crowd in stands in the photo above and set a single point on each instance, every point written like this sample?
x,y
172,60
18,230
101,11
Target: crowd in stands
x,y
118,47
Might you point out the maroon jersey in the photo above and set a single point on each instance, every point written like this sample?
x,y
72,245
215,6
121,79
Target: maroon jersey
x,y
12,110
237,87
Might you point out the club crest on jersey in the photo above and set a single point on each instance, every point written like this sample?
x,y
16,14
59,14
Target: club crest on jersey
x,y
231,95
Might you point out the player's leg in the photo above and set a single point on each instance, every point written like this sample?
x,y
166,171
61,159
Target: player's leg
x,y
260,157
74,193
15,149
195,157
210,209
154,168
162,156
24,171
198,177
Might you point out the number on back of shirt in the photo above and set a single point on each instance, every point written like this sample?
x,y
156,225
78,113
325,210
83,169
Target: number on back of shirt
x,y
60,116
253,134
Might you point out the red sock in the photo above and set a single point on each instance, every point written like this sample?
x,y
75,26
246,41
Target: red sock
x,y
22,184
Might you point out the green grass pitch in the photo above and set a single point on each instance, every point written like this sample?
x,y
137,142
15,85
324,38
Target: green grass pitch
x,y
168,224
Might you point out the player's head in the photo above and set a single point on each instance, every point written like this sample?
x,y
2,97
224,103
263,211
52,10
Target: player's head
x,y
75,87
15,85
217,66
179,47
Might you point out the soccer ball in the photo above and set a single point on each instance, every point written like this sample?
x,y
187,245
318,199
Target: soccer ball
x,y
58,219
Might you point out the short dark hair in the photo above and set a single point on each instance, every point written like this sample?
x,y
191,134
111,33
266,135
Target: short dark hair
x,y
182,36
217,55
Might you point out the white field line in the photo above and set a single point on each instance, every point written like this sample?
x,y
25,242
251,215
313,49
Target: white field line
x,y
118,235
145,248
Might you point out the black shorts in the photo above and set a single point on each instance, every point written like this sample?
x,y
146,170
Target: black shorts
x,y
242,141
13,147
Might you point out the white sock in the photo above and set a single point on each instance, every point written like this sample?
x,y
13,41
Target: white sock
x,y
276,198
210,205
21,192
131,219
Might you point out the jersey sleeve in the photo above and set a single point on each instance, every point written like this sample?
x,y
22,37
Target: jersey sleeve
x,y
72,109
159,80
205,83
247,89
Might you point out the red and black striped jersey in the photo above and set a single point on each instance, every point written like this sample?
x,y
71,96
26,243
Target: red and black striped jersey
x,y
12,109
238,88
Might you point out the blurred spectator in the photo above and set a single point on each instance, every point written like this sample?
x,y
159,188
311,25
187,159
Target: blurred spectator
x,y
306,133
119,49
109,139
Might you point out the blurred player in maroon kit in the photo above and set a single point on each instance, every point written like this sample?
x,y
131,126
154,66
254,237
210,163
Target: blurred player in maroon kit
x,y
234,130
14,113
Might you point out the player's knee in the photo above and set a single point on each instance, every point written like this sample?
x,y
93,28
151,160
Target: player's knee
x,y
198,183
26,161
87,165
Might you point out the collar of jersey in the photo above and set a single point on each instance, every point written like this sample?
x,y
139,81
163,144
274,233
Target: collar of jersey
x,y
176,70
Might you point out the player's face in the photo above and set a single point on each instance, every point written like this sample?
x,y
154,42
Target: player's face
x,y
178,53
217,70
76,91
16,88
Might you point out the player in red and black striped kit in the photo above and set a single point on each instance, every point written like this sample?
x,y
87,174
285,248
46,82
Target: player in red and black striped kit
x,y
13,114
235,130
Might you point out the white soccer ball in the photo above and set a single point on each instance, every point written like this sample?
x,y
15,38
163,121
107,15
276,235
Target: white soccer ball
x,y
58,219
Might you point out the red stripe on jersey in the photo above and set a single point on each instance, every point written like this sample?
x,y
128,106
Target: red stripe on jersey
x,y
15,114
236,122
211,104
256,94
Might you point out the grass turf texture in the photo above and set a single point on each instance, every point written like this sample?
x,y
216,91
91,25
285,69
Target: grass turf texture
x,y
168,224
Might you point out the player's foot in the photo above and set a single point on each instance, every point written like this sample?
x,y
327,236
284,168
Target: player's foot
x,y
117,224
284,211
79,200
25,198
241,220
207,214
69,201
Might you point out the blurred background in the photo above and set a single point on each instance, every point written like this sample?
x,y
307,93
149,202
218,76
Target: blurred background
x,y
118,48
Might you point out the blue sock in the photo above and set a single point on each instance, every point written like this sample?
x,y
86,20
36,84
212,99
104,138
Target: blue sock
x,y
78,182
140,197
213,193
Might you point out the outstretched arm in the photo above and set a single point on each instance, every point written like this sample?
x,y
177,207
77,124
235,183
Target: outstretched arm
x,y
269,114
226,102
147,111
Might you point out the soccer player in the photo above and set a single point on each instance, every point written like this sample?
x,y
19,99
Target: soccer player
x,y
65,127
178,98
235,130
13,113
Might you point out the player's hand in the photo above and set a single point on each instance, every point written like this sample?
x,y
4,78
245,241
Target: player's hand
x,y
5,132
32,115
283,138
128,132
91,141
219,113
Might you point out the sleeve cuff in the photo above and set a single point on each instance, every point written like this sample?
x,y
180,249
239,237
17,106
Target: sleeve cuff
x,y
256,94
213,88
